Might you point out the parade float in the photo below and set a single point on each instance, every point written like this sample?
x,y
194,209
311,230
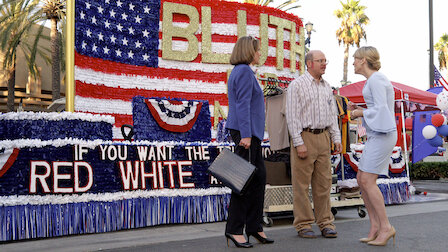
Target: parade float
x,y
149,110
159,69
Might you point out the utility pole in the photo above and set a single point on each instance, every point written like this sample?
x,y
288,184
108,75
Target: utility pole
x,y
431,48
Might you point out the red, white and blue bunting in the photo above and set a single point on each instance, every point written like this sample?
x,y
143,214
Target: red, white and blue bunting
x,y
173,115
159,119
397,163
7,158
395,189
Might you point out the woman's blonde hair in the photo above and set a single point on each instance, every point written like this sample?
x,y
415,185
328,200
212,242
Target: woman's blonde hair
x,y
244,50
371,55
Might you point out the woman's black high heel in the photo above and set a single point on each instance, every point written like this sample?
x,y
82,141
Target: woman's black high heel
x,y
260,238
238,244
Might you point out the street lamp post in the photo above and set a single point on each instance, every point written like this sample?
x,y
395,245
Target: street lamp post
x,y
309,29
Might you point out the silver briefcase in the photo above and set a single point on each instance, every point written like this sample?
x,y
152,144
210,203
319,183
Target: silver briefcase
x,y
232,170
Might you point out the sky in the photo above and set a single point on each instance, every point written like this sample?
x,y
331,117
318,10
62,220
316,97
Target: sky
x,y
399,29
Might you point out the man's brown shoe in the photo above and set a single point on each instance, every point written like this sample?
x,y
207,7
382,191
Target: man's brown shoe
x,y
329,233
307,233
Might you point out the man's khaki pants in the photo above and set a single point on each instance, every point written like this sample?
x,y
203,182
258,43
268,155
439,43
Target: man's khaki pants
x,y
315,169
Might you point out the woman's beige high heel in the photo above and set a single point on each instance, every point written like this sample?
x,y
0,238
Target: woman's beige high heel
x,y
367,239
391,233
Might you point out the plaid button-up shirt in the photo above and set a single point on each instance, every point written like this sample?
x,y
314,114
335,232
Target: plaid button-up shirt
x,y
311,104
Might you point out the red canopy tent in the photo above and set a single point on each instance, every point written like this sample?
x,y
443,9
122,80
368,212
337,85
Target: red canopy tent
x,y
403,94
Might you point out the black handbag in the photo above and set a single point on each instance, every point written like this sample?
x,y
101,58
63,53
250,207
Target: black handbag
x,y
232,170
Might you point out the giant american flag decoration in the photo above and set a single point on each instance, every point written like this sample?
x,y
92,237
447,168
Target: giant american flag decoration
x,y
119,51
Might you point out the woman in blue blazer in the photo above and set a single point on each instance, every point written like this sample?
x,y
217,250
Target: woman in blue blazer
x,y
246,120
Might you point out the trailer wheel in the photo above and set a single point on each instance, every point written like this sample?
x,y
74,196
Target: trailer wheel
x,y
334,211
267,221
361,212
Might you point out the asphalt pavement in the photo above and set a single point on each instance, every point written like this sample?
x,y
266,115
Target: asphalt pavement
x,y
434,186
421,225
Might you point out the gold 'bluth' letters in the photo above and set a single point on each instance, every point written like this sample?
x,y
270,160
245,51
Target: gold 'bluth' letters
x,y
169,31
207,55
264,38
242,23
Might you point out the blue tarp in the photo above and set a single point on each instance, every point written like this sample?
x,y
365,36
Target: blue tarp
x,y
435,90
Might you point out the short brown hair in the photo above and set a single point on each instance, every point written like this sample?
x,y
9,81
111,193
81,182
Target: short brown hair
x,y
244,50
309,56
371,55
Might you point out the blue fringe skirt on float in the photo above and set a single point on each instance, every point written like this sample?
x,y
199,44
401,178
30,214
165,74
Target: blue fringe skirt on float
x,y
43,216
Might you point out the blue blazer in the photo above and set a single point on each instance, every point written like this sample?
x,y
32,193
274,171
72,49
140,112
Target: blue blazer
x,y
246,103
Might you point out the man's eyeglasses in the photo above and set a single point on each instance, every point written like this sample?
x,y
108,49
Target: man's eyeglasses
x,y
322,61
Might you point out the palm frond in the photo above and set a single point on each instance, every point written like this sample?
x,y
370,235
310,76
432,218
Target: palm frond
x,y
21,28
281,6
352,28
293,7
353,19
442,48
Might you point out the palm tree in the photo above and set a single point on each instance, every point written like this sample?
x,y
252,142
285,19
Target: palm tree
x,y
352,28
17,19
55,11
17,32
442,47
